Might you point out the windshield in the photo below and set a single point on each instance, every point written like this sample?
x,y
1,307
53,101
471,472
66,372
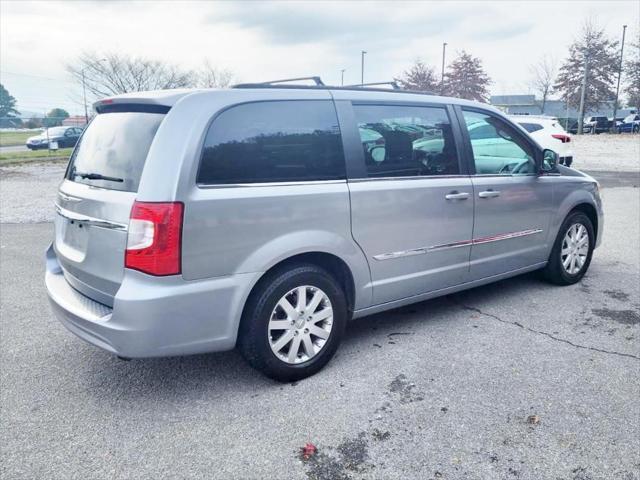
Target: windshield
x,y
55,131
114,146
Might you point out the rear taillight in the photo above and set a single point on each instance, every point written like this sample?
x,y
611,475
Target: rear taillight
x,y
154,240
563,138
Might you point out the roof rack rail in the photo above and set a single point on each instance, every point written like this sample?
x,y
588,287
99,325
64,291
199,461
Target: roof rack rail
x,y
320,85
393,84
318,81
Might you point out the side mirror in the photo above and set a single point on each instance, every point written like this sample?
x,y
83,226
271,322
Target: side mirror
x,y
549,161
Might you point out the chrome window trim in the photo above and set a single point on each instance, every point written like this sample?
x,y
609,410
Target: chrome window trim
x,y
412,177
95,222
269,184
504,175
463,243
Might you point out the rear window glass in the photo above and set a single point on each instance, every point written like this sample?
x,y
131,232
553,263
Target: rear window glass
x,y
114,145
279,141
531,127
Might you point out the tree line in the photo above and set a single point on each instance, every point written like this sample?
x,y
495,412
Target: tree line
x,y
592,51
113,74
465,77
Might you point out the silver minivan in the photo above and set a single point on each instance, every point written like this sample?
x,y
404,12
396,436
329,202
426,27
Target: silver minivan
x,y
266,216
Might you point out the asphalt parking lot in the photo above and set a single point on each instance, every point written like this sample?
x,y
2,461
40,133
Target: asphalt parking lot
x,y
439,390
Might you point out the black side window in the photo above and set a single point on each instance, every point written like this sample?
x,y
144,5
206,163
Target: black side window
x,y
531,127
401,141
278,141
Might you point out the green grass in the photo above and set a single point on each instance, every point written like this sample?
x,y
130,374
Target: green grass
x,y
34,155
15,138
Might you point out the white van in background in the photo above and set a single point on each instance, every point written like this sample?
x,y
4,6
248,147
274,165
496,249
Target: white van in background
x,y
548,132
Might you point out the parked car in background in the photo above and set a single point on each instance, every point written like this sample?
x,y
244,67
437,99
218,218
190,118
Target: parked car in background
x,y
267,218
631,123
64,136
614,123
596,125
548,132
569,124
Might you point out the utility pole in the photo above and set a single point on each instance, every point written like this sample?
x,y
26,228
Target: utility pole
x,y
84,92
84,96
342,77
583,94
615,104
362,53
444,49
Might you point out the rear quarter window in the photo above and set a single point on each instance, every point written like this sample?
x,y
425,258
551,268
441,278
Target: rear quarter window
x,y
276,141
531,127
114,145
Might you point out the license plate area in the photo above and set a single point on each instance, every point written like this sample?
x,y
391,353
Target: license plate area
x,y
71,238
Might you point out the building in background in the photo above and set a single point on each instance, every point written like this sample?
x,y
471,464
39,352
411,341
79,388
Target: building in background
x,y
74,121
529,105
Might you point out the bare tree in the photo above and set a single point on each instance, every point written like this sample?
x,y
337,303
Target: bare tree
x,y
543,74
112,74
210,76
419,77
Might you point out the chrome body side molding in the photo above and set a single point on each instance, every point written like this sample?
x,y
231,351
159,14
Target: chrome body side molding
x,y
464,243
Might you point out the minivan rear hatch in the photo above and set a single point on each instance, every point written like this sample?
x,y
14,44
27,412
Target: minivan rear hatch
x,y
94,201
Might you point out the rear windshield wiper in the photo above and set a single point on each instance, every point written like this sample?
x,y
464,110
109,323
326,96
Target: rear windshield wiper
x,y
96,176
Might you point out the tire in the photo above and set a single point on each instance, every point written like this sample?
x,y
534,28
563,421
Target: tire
x,y
263,310
555,270
636,128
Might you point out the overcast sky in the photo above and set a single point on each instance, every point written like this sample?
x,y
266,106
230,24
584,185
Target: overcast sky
x,y
261,41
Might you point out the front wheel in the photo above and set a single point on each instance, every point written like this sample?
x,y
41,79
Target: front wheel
x,y
293,323
572,251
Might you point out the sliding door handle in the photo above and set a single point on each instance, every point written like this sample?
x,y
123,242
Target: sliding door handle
x,y
456,196
489,194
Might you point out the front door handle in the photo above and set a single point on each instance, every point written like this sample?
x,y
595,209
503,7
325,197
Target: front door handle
x,y
456,196
489,194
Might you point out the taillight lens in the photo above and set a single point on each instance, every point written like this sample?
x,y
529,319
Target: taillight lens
x,y
561,137
154,240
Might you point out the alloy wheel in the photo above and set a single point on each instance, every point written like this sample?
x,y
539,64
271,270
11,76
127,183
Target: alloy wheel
x,y
575,249
300,324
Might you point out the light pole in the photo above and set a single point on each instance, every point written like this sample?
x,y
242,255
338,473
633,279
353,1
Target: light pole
x,y
342,77
444,49
84,96
362,54
583,93
84,92
615,104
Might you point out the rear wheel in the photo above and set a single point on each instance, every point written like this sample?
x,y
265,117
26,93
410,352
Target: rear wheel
x,y
571,254
293,323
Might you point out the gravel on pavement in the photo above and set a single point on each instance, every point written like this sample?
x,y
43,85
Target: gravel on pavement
x,y
515,380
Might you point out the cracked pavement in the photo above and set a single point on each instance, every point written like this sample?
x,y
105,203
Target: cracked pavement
x,y
437,390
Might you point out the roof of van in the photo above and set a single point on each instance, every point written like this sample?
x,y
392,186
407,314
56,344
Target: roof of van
x,y
168,98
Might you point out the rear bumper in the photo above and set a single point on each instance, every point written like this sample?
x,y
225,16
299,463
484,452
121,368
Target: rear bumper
x,y
153,316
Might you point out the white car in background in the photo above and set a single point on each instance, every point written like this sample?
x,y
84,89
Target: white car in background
x,y
548,132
